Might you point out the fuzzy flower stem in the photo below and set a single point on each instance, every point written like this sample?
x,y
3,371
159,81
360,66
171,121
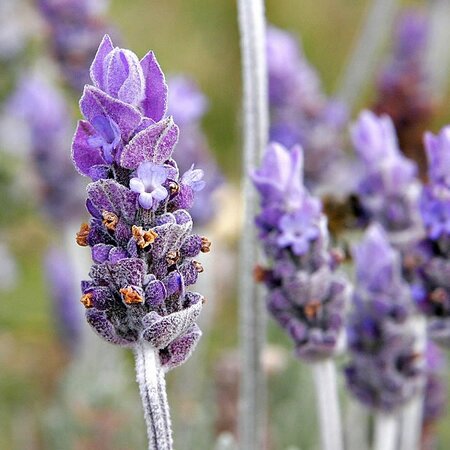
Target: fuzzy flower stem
x,y
324,373
363,57
152,387
411,415
252,308
437,58
386,431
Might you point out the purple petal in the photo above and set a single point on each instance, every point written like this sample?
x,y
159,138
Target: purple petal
x,y
96,70
155,100
96,103
83,155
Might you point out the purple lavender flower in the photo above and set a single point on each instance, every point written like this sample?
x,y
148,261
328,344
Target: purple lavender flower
x,y
388,189
385,369
305,294
149,184
64,293
139,233
46,117
188,106
430,271
300,112
75,27
403,84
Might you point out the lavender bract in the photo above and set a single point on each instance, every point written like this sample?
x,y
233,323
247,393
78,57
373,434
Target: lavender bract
x,y
305,294
388,189
385,369
139,233
300,112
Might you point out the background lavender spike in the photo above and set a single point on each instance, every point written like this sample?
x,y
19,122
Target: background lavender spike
x,y
404,85
75,27
300,111
306,295
385,371
187,104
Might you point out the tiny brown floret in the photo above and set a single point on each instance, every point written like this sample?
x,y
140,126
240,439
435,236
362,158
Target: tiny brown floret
x,y
259,273
110,220
198,266
130,296
438,295
172,257
143,237
82,235
87,300
174,188
312,308
206,245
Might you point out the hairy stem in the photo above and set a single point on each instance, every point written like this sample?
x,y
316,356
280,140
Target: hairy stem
x,y
152,387
386,432
324,374
411,414
437,57
252,311
362,59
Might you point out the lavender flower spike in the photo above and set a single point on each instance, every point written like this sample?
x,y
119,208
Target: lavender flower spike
x,y
386,369
306,295
140,233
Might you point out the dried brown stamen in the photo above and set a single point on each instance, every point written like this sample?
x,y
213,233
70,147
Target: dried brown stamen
x,y
130,296
312,309
143,237
86,299
206,245
110,220
82,235
172,257
198,267
438,295
174,188
259,273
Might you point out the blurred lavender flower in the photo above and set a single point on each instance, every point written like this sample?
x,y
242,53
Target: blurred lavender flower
x,y
403,85
188,105
430,260
388,190
140,232
300,112
306,295
46,118
385,370
64,293
75,28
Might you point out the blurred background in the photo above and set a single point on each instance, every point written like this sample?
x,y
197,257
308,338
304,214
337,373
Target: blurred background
x,y
52,395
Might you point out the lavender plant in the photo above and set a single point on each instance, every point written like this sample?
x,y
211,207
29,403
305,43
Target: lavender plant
x,y
306,295
140,231
300,111
385,370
